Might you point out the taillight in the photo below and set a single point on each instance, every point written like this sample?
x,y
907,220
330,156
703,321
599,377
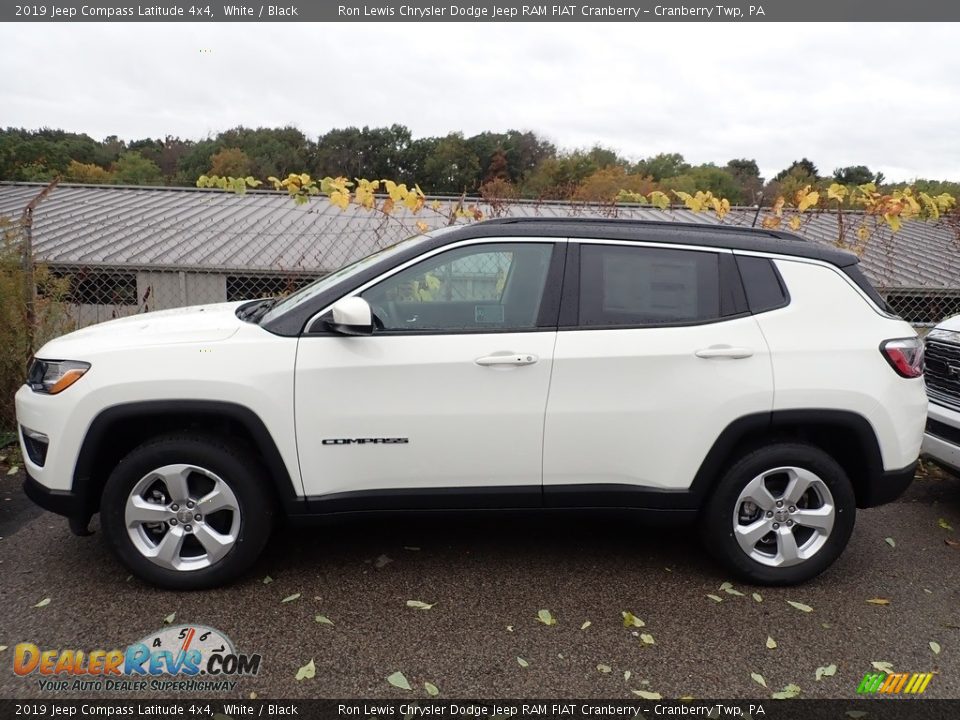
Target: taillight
x,y
905,355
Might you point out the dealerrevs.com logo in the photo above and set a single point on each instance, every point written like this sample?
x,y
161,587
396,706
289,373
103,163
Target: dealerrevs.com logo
x,y
184,658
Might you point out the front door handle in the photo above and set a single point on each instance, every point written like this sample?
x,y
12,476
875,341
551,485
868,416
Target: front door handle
x,y
724,351
508,359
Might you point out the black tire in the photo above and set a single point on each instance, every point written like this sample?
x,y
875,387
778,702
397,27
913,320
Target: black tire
x,y
238,469
717,525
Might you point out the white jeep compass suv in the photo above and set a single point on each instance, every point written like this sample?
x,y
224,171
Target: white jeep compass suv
x,y
746,380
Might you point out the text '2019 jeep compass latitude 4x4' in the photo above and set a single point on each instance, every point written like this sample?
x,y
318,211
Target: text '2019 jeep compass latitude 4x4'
x,y
747,380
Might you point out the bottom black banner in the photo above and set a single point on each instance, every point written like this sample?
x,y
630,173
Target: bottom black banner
x,y
795,709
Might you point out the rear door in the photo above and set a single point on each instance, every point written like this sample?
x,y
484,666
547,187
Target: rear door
x,y
656,355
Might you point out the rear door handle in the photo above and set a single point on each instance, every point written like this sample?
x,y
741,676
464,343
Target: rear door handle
x,y
508,359
724,351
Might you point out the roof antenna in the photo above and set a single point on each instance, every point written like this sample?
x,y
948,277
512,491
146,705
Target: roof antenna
x,y
759,205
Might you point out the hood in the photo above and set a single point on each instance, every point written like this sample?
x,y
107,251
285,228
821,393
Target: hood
x,y
952,324
201,323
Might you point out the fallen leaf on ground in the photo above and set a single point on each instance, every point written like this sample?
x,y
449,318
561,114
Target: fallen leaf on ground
x,y
291,598
826,671
715,598
419,604
800,606
758,678
647,695
758,597
728,588
771,643
883,666
790,691
509,628
323,620
170,618
521,662
267,580
890,541
944,524
604,668
13,470
398,680
626,675
631,620
43,603
432,690
545,617
2,648
935,646
647,639
253,695
952,543
382,561
878,601
586,624
307,671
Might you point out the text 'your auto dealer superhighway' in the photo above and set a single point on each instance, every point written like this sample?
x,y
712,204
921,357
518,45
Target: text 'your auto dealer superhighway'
x,y
707,12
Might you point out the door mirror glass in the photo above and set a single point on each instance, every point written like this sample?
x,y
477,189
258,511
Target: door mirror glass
x,y
350,316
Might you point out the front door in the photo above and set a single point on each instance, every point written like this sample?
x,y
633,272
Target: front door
x,y
443,404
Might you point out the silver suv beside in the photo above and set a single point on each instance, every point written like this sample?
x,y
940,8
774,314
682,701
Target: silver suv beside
x,y
941,442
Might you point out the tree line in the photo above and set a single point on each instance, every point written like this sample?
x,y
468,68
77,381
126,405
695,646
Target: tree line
x,y
507,165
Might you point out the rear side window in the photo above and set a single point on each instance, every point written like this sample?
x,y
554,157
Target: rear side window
x,y
762,283
635,286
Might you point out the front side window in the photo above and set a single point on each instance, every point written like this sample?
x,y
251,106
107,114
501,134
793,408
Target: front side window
x,y
474,288
641,286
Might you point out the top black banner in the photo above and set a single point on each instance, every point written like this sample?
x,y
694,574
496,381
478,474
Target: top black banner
x,y
638,11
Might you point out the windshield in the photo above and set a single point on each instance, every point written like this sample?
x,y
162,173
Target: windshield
x,y
318,286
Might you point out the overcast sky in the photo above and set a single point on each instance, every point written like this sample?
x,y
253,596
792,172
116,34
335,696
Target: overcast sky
x,y
884,95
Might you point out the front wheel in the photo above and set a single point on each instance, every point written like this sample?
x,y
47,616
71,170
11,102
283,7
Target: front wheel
x,y
187,512
780,515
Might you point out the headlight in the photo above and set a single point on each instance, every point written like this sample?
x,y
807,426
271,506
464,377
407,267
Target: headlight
x,y
54,376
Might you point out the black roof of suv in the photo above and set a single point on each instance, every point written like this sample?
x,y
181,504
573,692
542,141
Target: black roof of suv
x,y
717,236
728,237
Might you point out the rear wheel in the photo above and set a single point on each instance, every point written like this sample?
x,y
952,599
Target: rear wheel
x,y
187,512
780,515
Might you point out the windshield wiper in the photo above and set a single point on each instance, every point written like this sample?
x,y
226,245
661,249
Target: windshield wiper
x,y
253,313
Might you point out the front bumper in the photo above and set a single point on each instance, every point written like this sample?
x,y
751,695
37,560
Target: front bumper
x,y
941,441
61,502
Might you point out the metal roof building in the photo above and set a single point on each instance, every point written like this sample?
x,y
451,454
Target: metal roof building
x,y
131,248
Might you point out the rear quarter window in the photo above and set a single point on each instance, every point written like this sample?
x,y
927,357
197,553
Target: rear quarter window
x,y
762,284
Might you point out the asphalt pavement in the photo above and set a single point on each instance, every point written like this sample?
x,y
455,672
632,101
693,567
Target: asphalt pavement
x,y
486,578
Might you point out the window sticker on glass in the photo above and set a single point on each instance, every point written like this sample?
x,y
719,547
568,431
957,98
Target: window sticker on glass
x,y
488,313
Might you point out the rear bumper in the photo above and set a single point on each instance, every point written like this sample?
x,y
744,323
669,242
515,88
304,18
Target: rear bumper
x,y
61,502
890,486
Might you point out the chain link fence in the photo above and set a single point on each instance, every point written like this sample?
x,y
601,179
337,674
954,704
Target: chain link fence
x,y
119,251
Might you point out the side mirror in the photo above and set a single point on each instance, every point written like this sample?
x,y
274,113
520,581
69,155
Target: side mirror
x,y
350,316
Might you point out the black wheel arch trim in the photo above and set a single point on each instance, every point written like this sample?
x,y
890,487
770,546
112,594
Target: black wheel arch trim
x,y
84,474
769,423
